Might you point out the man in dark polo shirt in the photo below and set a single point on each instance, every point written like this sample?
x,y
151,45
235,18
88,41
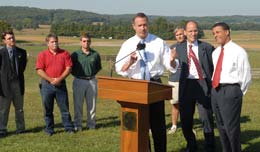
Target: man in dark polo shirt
x,y
86,64
53,66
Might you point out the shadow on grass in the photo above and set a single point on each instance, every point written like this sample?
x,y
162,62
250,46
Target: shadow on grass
x,y
247,138
200,144
110,121
36,130
197,123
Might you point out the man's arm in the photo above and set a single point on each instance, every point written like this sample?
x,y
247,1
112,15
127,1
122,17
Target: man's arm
x,y
127,65
43,75
58,80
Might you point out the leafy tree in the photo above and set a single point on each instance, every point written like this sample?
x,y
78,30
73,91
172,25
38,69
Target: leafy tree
x,y
4,27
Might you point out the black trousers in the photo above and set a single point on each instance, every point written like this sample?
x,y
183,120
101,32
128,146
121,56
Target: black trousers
x,y
194,95
226,104
157,124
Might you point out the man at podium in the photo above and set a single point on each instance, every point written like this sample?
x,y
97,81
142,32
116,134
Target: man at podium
x,y
144,56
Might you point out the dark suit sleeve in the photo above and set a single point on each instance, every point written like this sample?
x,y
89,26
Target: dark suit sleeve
x,y
1,90
22,59
210,50
1,60
25,60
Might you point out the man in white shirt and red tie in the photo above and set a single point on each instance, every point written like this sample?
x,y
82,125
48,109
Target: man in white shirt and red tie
x,y
196,65
230,82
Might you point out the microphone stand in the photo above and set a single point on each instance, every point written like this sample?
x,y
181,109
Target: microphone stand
x,y
114,63
140,46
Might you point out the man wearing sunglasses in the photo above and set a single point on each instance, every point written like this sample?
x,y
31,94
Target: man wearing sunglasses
x,y
86,64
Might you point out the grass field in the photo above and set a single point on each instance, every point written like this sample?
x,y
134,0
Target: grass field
x,y
106,138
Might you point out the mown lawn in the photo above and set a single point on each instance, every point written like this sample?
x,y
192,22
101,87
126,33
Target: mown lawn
x,y
106,137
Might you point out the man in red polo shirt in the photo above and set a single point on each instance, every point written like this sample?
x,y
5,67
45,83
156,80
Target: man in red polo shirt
x,y
53,66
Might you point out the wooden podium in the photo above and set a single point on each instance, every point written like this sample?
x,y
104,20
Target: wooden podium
x,y
134,97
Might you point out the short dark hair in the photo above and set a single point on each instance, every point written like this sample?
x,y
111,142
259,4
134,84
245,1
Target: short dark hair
x,y
191,21
222,24
85,35
141,15
7,32
51,35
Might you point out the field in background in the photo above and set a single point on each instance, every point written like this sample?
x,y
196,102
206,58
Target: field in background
x,y
106,138
247,39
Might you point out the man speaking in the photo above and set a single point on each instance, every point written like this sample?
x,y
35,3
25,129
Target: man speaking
x,y
147,63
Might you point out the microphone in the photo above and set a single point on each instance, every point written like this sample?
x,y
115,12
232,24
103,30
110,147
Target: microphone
x,y
139,46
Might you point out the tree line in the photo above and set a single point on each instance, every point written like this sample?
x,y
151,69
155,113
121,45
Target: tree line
x,y
72,22
160,27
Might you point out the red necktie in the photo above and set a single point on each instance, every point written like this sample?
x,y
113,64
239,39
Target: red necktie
x,y
216,77
196,62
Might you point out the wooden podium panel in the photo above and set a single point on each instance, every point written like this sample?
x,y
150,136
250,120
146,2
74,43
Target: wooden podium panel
x,y
134,91
134,96
134,139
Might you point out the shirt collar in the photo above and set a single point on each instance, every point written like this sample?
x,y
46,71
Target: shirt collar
x,y
9,49
57,52
227,44
195,43
146,39
90,51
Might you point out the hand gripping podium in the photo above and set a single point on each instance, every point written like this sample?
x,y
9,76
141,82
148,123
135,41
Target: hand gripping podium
x,y
134,96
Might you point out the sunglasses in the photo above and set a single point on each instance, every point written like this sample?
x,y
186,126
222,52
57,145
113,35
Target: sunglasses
x,y
84,41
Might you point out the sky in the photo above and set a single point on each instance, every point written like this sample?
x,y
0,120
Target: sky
x,y
149,7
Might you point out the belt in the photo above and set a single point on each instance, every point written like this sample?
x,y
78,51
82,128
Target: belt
x,y
228,84
86,78
221,85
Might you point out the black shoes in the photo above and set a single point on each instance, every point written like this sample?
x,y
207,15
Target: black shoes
x,y
3,134
20,132
48,133
70,131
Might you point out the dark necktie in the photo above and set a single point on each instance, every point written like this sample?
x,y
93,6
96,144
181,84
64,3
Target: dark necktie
x,y
12,59
196,62
216,77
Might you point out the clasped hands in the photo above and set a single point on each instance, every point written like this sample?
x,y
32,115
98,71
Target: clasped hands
x,y
55,81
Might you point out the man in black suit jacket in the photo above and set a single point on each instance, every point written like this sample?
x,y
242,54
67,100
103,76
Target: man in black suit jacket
x,y
12,66
195,85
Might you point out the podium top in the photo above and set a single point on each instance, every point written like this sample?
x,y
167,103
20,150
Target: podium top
x,y
132,90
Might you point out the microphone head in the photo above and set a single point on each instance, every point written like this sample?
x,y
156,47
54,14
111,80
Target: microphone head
x,y
140,46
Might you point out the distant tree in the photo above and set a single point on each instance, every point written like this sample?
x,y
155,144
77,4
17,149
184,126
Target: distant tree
x,y
4,27
27,17
161,27
18,27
